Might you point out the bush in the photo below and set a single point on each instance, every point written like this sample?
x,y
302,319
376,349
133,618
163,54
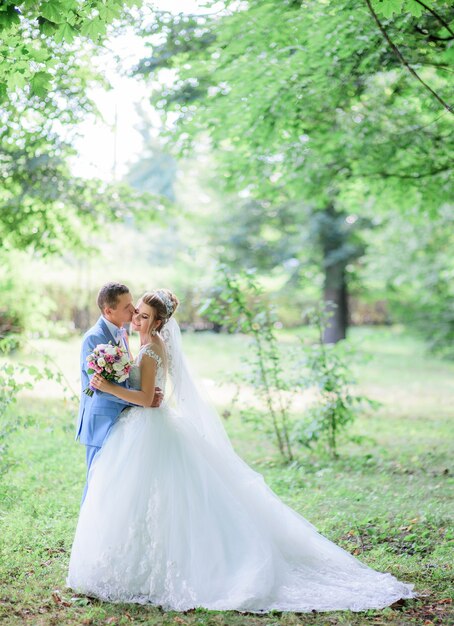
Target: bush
x,y
22,309
324,367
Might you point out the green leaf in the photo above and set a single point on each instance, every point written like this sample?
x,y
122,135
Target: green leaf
x,y
40,84
388,7
69,5
109,13
448,55
415,8
39,55
93,29
46,27
9,17
53,11
16,80
65,32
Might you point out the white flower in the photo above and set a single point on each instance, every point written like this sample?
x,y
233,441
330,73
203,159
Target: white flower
x,y
122,378
118,367
101,361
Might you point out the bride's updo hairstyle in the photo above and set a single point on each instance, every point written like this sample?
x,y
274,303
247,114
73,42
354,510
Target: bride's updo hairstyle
x,y
164,302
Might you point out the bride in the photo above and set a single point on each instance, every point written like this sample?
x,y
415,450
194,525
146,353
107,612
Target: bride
x,y
173,517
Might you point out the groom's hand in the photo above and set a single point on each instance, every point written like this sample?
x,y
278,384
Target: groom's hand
x,y
157,398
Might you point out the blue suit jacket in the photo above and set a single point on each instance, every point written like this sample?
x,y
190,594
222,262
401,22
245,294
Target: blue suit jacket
x,y
98,413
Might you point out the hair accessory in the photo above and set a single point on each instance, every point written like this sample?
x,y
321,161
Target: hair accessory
x,y
165,300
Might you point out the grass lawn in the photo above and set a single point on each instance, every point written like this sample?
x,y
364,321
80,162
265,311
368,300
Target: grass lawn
x,y
386,500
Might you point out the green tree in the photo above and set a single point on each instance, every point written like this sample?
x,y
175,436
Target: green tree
x,y
35,36
43,207
311,113
236,303
418,285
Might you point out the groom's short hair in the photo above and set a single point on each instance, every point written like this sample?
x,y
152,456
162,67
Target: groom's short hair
x,y
109,293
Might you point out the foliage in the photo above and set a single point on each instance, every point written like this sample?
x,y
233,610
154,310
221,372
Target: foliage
x,y
236,306
314,121
416,8
22,307
335,406
43,207
418,285
389,8
317,107
15,378
37,36
10,386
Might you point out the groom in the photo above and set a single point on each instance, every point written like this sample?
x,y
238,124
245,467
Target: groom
x,y
98,413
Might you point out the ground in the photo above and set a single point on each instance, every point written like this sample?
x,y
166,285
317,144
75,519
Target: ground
x,y
386,499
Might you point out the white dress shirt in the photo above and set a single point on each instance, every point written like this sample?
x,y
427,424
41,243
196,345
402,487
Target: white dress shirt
x,y
114,329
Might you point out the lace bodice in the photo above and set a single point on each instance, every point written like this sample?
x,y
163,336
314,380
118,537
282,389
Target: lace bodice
x,y
134,375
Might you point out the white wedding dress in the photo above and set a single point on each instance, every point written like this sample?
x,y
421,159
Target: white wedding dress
x,y
173,517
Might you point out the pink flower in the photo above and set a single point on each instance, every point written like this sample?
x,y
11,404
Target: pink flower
x,y
112,361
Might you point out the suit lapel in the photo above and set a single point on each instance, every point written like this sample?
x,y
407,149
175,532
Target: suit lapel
x,y
106,331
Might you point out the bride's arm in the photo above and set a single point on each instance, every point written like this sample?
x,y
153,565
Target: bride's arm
x,y
142,397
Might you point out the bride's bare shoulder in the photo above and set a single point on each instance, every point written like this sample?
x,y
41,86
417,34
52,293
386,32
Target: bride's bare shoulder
x,y
158,345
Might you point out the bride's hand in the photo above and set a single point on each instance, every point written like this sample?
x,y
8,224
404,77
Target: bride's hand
x,y
100,383
158,397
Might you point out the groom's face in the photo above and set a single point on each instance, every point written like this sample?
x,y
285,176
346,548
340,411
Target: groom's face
x,y
123,312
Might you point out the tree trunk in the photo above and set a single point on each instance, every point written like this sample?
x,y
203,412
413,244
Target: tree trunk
x,y
333,238
336,303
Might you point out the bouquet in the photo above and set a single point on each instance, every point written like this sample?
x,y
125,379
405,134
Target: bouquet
x,y
112,362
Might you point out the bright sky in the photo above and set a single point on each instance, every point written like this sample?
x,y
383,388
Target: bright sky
x,y
96,146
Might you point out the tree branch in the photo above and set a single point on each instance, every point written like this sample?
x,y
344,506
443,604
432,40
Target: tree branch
x,y
398,53
412,176
430,37
435,14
